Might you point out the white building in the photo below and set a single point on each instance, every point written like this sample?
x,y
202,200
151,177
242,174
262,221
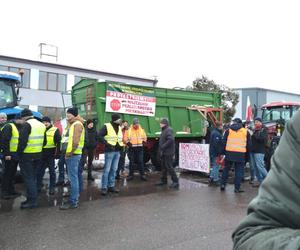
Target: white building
x,y
46,86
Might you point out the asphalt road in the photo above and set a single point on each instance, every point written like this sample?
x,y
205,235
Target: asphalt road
x,y
142,216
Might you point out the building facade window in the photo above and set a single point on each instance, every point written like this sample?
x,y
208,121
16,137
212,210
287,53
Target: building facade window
x,y
26,75
52,81
55,114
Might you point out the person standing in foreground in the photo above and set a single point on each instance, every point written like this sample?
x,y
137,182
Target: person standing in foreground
x,y
215,150
49,152
112,137
237,143
259,139
10,139
73,141
273,220
167,152
135,137
32,138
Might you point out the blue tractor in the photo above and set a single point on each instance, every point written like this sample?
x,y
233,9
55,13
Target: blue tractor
x,y
10,84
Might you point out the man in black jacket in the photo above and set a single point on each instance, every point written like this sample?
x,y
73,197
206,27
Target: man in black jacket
x,y
50,150
259,138
112,137
30,147
89,147
167,151
9,143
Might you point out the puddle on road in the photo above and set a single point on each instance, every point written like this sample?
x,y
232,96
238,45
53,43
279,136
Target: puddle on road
x,y
92,190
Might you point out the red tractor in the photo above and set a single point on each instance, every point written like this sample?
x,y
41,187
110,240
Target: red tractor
x,y
274,116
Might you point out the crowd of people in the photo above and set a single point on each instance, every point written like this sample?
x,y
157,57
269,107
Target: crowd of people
x,y
235,146
34,145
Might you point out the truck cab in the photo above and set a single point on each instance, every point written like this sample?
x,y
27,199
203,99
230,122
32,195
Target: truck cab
x,y
9,95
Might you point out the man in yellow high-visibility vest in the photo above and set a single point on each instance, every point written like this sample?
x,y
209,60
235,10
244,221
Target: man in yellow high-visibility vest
x,y
72,145
9,143
112,137
32,138
49,151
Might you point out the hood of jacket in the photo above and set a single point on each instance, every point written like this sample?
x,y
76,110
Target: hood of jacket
x,y
236,126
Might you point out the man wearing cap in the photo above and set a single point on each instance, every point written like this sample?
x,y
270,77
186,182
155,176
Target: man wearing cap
x,y
259,139
32,138
112,137
10,139
49,151
72,145
237,143
167,152
135,137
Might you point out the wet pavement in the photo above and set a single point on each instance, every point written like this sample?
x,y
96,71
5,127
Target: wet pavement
x,y
142,216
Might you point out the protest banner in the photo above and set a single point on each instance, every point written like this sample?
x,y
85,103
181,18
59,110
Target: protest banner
x,y
128,99
194,157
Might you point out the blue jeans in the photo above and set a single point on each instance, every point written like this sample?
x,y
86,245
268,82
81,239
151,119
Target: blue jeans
x,y
252,167
61,168
259,165
214,173
238,170
72,165
50,164
29,174
110,169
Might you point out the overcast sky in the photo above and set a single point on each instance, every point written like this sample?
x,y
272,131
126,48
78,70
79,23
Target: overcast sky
x,y
234,42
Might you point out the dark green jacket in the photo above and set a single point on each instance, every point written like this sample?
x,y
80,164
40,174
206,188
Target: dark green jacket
x,y
273,220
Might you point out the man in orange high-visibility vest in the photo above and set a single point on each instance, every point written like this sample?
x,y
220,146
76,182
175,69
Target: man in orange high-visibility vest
x,y
237,143
135,137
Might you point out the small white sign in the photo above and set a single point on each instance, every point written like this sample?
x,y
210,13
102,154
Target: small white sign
x,y
194,157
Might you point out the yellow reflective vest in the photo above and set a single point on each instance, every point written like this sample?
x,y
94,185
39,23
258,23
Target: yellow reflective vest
x,y
14,140
237,141
68,138
36,137
112,137
50,137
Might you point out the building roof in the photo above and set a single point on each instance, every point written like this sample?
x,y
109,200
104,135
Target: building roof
x,y
67,67
263,89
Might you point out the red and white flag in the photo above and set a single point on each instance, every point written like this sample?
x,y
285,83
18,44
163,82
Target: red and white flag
x,y
249,114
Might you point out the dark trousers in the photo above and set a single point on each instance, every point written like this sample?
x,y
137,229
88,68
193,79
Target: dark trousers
x,y
10,169
29,174
121,165
238,173
61,168
136,156
88,153
167,166
50,164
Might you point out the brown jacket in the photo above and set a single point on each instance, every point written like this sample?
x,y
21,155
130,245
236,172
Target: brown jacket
x,y
78,129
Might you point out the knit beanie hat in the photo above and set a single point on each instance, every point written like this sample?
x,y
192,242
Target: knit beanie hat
x,y
164,121
46,119
115,117
26,112
258,119
73,111
88,121
135,121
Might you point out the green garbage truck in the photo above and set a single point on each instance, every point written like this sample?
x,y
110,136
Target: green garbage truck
x,y
189,112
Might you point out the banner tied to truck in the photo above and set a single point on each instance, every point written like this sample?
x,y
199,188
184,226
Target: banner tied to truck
x,y
127,99
194,157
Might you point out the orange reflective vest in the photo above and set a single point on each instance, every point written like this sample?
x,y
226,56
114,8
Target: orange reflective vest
x,y
135,136
237,141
